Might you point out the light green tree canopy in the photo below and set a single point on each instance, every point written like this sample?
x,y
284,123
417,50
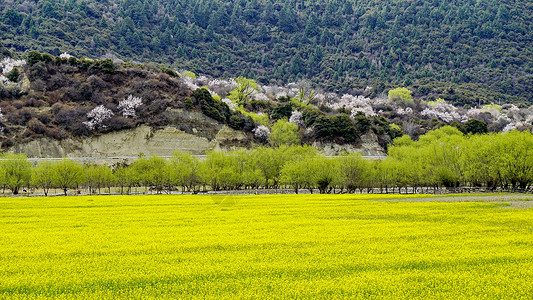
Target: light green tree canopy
x,y
284,133
67,174
400,94
42,176
16,171
244,90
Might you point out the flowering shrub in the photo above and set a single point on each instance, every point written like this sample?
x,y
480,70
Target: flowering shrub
x,y
232,106
441,110
189,82
65,55
128,106
221,87
97,116
261,97
8,64
297,118
353,103
261,132
404,112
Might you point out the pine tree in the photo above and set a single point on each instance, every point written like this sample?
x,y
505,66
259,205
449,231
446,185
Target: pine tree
x,y
311,28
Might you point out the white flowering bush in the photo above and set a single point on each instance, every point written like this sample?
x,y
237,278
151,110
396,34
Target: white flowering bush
x,y
492,109
297,118
129,105
441,110
3,79
353,103
221,87
513,112
189,82
232,106
366,110
405,112
65,55
7,64
201,81
2,117
261,132
97,116
491,113
510,127
261,97
347,102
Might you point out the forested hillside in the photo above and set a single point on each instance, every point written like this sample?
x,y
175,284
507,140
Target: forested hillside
x,y
465,52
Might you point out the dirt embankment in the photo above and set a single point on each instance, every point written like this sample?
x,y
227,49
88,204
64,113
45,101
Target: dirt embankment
x,y
187,131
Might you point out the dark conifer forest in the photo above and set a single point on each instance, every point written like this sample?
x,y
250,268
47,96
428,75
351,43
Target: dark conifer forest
x,y
465,52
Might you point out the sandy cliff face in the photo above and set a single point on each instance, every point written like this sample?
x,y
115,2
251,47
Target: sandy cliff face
x,y
187,131
141,140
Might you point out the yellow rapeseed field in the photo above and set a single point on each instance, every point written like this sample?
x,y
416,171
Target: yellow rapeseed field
x,y
263,247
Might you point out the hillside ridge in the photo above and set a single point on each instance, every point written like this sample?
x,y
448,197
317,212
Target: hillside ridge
x,y
480,49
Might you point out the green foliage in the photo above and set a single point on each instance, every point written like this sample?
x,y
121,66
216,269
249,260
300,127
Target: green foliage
x,y
106,65
400,94
42,176
284,133
170,72
153,172
188,103
362,123
97,177
14,75
471,45
258,118
15,171
185,170
326,174
442,158
282,110
310,115
33,57
211,107
354,172
244,91
188,74
67,174
475,126
338,127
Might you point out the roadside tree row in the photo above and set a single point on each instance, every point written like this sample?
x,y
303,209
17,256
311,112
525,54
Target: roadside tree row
x,y
443,158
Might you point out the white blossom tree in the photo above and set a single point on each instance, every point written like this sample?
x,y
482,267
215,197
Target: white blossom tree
x,y
7,64
297,118
65,55
232,106
97,116
129,105
221,87
441,110
262,132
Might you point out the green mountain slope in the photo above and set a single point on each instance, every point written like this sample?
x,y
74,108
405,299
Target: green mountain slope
x,y
481,50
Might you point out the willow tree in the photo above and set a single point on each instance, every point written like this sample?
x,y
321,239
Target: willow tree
x,y
16,171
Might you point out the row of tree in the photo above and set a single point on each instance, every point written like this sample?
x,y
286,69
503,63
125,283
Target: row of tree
x,y
443,158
